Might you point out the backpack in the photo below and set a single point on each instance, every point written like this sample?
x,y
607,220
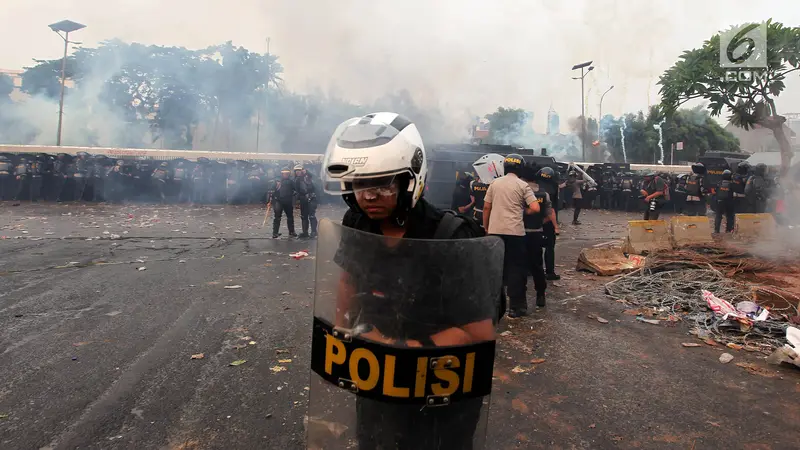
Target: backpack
x,y
452,221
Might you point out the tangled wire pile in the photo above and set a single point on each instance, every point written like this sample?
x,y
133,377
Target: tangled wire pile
x,y
672,288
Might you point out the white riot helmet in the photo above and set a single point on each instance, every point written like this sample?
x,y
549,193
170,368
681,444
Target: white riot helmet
x,y
489,167
372,151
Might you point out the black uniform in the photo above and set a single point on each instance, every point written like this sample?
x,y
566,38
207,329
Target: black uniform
x,y
653,208
626,192
80,176
6,176
550,186
738,182
607,193
535,243
695,195
307,196
756,190
160,176
283,202
37,172
382,425
201,177
23,172
182,180
725,206
477,192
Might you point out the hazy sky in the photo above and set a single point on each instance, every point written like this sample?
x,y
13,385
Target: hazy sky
x,y
457,54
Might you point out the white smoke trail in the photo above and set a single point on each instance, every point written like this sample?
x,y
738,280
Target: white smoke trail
x,y
660,128
622,137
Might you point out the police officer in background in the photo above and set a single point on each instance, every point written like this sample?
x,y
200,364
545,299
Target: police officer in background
x,y
23,172
462,200
535,237
307,197
283,202
756,189
81,175
201,177
696,191
738,182
547,180
507,200
726,203
36,176
6,176
160,176
182,180
477,193
607,193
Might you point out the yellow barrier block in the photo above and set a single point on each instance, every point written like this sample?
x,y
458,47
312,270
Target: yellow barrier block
x,y
689,230
647,236
755,226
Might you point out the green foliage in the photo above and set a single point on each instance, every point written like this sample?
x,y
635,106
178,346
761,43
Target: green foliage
x,y
698,75
508,125
698,131
6,88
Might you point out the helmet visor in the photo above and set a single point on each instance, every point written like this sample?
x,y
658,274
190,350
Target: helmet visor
x,y
352,164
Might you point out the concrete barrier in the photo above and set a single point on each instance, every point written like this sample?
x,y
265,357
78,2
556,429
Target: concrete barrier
x,y
689,230
754,226
647,236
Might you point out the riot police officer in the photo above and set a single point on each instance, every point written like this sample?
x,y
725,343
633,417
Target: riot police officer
x,y
201,178
160,176
547,180
726,205
756,189
283,202
462,200
738,182
607,192
37,171
307,197
80,175
477,193
23,173
535,237
181,179
626,195
507,200
6,176
696,190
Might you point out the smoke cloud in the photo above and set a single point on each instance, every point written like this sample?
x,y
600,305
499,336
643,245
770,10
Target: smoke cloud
x,y
455,59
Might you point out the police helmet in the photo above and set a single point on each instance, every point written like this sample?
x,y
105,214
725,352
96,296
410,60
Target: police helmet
x,y
699,168
164,164
742,168
545,173
513,163
727,174
649,174
384,147
298,167
761,169
572,173
3,158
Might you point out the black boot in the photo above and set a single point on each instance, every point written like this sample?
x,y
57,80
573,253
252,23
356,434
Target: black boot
x,y
540,300
553,276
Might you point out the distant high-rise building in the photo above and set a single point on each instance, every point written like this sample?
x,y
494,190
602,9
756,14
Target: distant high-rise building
x,y
552,122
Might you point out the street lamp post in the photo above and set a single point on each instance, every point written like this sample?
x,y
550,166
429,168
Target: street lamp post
x,y
600,118
65,26
583,66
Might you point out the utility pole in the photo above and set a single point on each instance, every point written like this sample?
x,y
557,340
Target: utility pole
x,y
65,26
582,66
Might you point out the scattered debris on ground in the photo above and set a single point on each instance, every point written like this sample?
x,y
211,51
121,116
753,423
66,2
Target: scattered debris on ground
x,y
722,292
198,356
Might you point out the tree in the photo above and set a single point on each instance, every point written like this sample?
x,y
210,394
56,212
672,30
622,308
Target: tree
x,y
508,125
695,128
751,102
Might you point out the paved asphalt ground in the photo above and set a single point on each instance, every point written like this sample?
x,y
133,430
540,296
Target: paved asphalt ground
x,y
95,353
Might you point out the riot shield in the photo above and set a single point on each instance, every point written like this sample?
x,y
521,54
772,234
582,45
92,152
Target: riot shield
x,y
403,341
489,167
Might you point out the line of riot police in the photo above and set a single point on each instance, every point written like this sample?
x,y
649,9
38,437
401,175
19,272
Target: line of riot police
x,y
98,178
751,190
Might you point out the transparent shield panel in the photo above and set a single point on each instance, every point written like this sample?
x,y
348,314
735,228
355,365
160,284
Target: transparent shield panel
x,y
403,340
